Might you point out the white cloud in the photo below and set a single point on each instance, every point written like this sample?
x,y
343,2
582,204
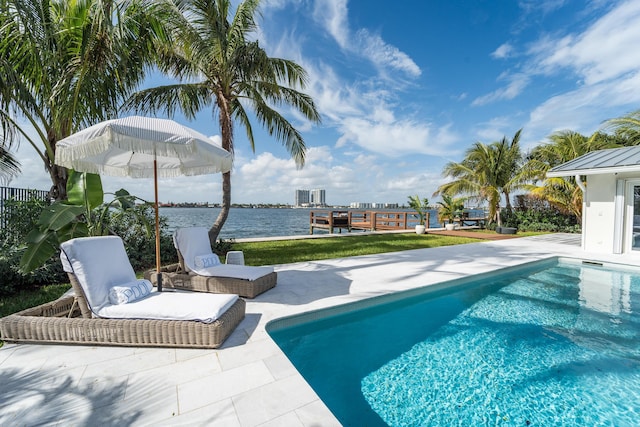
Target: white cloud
x,y
517,83
584,109
383,54
333,16
504,51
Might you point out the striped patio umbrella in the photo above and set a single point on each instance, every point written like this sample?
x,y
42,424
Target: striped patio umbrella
x,y
142,147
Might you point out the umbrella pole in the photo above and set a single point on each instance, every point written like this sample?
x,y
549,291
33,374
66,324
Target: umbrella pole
x,y
155,185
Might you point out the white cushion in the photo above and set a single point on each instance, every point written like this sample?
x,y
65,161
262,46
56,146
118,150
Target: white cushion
x,y
192,242
130,292
235,271
199,306
99,263
206,261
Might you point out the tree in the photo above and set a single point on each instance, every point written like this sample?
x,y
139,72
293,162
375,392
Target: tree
x,y
449,208
420,206
626,128
562,192
9,166
218,66
67,65
486,173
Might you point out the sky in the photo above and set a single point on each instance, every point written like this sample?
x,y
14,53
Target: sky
x,y
405,87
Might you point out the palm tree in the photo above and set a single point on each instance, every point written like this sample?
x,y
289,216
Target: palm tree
x,y
219,66
626,128
9,166
67,65
563,193
487,173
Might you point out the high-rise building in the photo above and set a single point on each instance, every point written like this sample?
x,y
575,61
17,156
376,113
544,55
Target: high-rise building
x,y
302,197
318,197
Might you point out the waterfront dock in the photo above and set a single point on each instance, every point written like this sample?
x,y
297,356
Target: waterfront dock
x,y
337,220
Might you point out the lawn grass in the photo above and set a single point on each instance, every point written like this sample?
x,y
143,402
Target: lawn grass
x,y
288,251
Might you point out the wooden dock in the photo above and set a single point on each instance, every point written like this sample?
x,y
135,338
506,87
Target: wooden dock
x,y
338,220
362,220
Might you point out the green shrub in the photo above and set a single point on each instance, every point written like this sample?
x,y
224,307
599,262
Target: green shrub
x,y
20,218
532,214
139,240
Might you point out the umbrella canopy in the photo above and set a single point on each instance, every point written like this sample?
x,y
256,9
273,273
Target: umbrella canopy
x,y
129,146
142,147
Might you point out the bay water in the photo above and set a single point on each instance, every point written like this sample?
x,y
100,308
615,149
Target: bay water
x,y
258,222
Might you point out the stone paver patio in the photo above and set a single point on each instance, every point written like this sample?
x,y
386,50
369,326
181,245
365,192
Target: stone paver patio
x,y
248,382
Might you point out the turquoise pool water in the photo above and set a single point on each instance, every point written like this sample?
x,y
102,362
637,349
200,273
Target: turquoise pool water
x,y
551,343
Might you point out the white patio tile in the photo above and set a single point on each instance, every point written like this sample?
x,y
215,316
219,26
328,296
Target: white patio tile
x,y
250,352
84,355
175,373
280,366
316,414
219,414
213,388
289,419
142,409
273,400
134,362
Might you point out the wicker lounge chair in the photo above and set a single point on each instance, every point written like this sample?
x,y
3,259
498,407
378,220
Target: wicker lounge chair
x,y
73,320
193,242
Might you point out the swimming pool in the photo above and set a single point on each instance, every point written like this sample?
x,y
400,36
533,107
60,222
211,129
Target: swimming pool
x,y
555,342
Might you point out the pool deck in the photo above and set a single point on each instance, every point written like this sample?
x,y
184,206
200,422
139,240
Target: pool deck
x,y
248,382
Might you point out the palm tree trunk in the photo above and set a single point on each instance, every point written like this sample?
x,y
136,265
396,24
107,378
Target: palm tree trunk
x,y
214,231
226,128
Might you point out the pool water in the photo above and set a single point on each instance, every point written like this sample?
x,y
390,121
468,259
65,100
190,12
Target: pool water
x,y
551,343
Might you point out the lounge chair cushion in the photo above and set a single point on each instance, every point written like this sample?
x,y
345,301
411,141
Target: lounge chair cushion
x,y
100,261
193,242
205,308
130,292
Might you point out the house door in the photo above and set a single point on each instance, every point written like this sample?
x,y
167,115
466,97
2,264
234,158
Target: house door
x,y
632,220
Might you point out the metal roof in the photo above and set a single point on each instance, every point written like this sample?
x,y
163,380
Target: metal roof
x,y
614,160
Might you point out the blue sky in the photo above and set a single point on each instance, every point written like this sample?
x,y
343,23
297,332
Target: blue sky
x,y
405,87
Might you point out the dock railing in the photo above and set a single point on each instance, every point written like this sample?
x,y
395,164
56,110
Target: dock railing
x,y
362,220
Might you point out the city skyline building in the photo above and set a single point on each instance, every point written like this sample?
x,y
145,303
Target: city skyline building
x,y
313,198
318,197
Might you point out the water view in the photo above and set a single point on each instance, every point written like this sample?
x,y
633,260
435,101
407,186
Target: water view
x,y
259,222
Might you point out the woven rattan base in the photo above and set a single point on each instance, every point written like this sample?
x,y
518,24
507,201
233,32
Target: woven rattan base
x,y
50,323
173,277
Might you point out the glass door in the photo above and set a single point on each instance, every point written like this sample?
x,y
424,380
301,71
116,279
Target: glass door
x,y
633,215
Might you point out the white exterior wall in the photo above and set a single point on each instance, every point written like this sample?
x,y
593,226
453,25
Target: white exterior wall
x,y
600,213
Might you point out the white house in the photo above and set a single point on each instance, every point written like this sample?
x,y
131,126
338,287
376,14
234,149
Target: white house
x,y
611,202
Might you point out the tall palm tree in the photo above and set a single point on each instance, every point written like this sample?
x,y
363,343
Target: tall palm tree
x,y
65,65
9,166
487,172
563,193
219,66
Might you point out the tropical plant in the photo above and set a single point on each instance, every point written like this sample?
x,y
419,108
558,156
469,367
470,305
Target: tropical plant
x,y
562,192
449,208
9,166
626,128
219,65
486,173
65,65
420,206
83,214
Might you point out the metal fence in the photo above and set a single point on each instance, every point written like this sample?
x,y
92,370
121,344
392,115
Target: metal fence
x,y
18,194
